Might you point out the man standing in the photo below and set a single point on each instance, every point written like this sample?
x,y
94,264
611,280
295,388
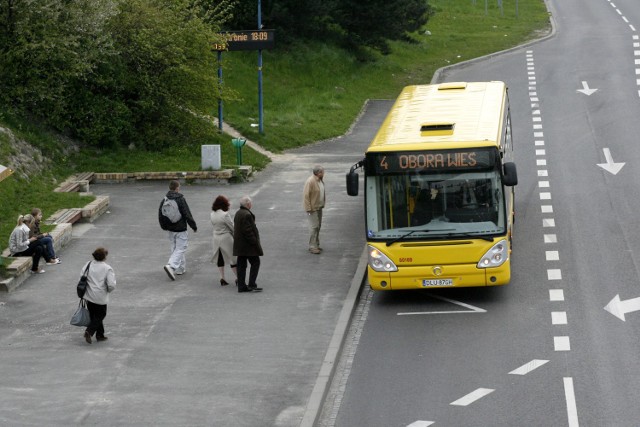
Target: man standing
x,y
313,202
174,215
246,246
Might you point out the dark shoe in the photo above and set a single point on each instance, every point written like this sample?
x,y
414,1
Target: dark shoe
x,y
255,288
103,338
315,251
87,337
223,282
240,290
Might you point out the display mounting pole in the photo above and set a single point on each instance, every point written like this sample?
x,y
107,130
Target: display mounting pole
x,y
220,89
260,117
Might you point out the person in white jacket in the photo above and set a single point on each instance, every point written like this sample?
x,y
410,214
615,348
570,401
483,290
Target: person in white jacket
x,y
222,237
20,244
101,282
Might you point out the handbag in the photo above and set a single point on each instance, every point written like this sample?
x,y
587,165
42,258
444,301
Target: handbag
x,y
81,287
81,317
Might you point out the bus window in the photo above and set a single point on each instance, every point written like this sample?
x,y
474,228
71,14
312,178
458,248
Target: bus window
x,y
436,205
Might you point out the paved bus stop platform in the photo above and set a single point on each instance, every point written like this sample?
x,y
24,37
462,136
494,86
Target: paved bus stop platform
x,y
191,352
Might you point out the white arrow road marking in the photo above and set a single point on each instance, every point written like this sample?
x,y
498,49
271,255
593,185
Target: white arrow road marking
x,y
610,166
620,308
473,396
585,89
472,309
421,424
528,367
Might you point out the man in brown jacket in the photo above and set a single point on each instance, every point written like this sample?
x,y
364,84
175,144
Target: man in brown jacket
x,y
313,202
246,246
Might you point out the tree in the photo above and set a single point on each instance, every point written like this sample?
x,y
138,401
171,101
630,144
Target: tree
x,y
111,71
292,19
372,22
49,46
354,23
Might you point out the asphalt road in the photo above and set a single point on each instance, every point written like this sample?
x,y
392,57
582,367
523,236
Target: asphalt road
x,y
543,351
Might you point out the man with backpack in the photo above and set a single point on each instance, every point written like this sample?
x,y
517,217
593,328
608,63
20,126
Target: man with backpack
x,y
174,215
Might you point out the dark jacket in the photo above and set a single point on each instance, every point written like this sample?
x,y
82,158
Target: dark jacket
x,y
181,225
246,239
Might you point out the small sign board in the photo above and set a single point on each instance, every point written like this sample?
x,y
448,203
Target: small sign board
x,y
246,40
210,157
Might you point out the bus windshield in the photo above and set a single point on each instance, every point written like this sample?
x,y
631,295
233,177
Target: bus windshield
x,y
429,206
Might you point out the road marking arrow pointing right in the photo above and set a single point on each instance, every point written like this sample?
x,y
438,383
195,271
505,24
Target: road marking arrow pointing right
x,y
620,308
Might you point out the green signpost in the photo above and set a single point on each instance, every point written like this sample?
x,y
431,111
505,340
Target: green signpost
x,y
239,143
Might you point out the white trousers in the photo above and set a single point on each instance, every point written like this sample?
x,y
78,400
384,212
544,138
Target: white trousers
x,y
179,242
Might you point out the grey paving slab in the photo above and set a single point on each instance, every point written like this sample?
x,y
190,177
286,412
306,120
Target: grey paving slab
x,y
190,352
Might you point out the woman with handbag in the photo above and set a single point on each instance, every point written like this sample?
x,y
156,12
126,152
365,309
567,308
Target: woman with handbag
x,y
101,282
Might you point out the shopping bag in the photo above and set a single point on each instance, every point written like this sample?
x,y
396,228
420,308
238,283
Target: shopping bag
x,y
81,317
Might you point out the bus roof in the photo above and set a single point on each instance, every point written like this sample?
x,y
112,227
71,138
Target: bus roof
x,y
443,116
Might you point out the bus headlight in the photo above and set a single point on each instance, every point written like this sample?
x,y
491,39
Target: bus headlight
x,y
496,256
379,261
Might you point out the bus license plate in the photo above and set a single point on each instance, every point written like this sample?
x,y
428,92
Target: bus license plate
x,y
437,282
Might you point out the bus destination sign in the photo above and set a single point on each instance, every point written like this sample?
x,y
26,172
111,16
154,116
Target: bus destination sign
x,y
402,162
246,40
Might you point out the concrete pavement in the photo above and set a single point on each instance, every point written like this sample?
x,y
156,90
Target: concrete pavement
x,y
190,352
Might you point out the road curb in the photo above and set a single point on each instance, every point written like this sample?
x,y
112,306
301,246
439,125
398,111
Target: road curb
x,y
327,370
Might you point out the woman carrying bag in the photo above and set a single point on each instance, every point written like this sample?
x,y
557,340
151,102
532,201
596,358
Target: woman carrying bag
x,y
102,281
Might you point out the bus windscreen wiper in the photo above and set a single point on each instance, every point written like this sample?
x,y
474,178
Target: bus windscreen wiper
x,y
476,236
404,236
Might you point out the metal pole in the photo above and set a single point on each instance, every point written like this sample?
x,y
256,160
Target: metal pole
x,y
220,90
260,115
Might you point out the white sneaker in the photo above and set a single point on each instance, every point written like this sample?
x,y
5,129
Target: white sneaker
x,y
170,272
54,261
40,270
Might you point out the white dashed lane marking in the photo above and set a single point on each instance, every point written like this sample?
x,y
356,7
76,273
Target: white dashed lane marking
x,y
472,397
528,367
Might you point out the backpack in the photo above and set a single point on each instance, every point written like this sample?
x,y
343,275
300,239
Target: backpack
x,y
170,210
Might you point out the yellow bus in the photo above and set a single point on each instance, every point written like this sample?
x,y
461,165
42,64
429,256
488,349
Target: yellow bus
x,y
439,177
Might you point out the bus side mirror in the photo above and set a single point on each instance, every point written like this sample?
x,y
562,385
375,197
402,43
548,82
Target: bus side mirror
x,y
510,176
352,183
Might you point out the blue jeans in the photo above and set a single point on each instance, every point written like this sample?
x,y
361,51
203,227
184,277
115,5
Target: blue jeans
x,y
47,241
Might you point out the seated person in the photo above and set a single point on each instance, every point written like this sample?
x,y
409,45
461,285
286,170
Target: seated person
x,y
20,244
423,208
43,237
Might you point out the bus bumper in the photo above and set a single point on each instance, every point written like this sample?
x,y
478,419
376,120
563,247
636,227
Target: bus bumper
x,y
451,276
